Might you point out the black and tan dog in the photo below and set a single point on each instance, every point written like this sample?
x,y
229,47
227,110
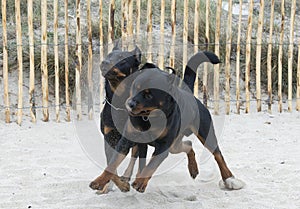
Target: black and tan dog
x,y
115,68
152,93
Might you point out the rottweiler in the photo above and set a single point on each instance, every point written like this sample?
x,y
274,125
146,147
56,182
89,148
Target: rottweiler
x,y
155,99
115,68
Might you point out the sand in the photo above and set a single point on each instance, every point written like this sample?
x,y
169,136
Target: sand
x,y
43,165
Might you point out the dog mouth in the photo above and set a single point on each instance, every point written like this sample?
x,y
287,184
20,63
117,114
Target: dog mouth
x,y
140,113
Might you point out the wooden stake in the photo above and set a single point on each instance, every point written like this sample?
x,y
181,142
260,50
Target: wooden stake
x,y
149,30
207,41
90,62
5,63
173,25
68,109
111,25
131,44
138,20
79,61
196,42
217,52
291,56
280,54
258,54
238,53
130,18
269,58
20,59
228,53
56,60
101,53
44,67
185,34
31,60
162,31
248,56
124,23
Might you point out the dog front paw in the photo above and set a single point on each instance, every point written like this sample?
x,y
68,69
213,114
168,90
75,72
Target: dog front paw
x,y
231,183
100,182
124,186
140,184
97,185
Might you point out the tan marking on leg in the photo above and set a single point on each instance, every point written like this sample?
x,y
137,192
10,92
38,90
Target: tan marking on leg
x,y
192,164
128,172
225,172
107,129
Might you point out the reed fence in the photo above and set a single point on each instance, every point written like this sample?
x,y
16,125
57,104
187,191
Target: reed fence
x,y
251,39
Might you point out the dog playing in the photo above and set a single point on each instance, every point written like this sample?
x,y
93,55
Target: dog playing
x,y
115,68
155,98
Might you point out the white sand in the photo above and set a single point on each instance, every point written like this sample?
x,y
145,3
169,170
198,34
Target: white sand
x,y
43,166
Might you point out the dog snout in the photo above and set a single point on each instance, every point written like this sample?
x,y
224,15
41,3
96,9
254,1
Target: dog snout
x,y
106,65
132,103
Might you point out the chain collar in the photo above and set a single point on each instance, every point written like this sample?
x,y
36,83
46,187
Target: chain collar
x,y
115,108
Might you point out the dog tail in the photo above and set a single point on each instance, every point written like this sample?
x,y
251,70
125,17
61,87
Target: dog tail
x,y
193,63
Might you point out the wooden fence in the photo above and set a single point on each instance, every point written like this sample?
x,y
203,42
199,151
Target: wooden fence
x,y
241,39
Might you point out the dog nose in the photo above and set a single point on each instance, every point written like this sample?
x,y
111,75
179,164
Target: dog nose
x,y
132,104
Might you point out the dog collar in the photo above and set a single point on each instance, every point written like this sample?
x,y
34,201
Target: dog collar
x,y
114,107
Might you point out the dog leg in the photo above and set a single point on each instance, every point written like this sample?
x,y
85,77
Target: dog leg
x,y
128,172
228,180
110,174
192,164
143,148
142,180
186,147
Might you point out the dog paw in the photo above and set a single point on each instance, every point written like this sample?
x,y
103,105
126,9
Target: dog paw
x,y
122,185
97,185
231,184
193,171
140,184
101,181
107,188
125,179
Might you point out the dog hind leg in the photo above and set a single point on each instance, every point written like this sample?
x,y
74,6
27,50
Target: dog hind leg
x,y
206,134
186,146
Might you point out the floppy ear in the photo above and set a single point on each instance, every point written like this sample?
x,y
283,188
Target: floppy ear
x,y
137,54
172,69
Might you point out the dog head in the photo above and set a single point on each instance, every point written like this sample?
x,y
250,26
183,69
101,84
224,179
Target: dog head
x,y
119,64
150,91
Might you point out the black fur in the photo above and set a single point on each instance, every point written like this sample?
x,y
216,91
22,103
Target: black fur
x,y
117,66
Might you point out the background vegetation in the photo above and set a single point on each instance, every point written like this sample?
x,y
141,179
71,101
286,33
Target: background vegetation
x,y
156,21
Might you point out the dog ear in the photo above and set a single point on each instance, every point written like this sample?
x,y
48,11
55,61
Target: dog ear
x,y
137,54
172,69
